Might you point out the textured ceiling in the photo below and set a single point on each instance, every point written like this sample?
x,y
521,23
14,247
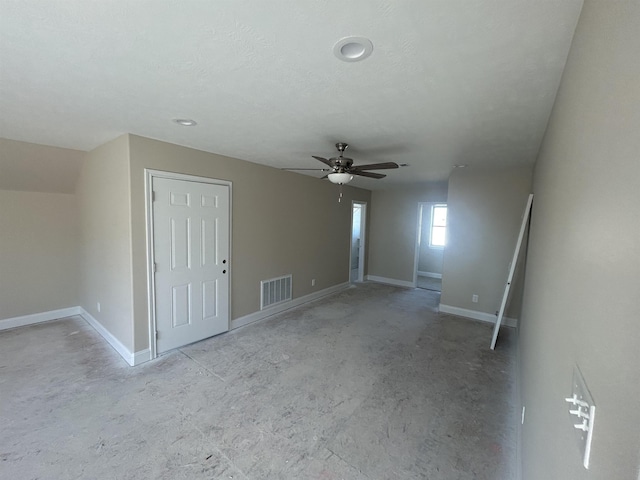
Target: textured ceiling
x,y
458,81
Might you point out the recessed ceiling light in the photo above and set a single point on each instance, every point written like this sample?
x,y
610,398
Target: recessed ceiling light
x,y
460,165
353,49
185,122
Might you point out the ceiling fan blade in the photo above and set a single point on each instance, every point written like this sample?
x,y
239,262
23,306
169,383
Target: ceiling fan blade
x,y
377,166
323,160
367,174
314,169
326,176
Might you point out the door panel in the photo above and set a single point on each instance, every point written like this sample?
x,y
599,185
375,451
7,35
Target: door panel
x,y
191,249
180,244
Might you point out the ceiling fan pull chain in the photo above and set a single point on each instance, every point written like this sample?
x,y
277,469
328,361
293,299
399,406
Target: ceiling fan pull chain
x,y
340,196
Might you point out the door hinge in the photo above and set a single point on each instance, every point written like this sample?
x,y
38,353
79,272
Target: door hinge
x,y
156,334
155,267
153,196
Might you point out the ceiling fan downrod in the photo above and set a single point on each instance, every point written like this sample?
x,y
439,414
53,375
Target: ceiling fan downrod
x,y
341,148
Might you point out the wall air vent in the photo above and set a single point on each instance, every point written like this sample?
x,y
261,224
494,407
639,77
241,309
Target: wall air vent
x,y
275,291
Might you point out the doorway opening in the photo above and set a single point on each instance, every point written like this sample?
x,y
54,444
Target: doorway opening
x,y
430,243
358,227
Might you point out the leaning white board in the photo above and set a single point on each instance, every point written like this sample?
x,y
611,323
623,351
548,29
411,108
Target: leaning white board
x,y
512,269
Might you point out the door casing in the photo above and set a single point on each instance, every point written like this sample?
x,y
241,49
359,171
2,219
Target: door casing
x,y
149,175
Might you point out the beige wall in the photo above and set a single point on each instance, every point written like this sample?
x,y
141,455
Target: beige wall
x,y
484,218
582,295
39,240
105,231
283,223
429,258
38,168
394,223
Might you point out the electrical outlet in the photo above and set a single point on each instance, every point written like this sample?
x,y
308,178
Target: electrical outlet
x,y
98,307
313,282
474,298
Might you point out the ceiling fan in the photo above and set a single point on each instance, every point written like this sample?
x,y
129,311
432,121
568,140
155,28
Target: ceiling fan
x,y
342,168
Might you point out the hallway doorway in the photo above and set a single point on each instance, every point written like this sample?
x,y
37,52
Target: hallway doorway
x,y
358,227
430,244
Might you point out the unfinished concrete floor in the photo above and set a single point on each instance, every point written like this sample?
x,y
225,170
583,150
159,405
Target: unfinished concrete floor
x,y
370,383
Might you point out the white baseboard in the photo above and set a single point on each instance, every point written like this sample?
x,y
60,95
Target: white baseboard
x,y
429,274
108,336
131,358
390,281
141,357
482,316
38,317
267,312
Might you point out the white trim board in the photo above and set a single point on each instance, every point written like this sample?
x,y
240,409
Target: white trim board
x,y
390,281
267,312
429,274
108,336
136,358
34,318
131,358
474,314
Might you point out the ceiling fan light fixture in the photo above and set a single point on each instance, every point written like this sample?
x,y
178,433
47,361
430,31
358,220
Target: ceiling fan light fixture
x,y
353,49
340,178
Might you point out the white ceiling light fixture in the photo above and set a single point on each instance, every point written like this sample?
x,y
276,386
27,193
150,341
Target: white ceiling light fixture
x,y
340,178
353,49
185,122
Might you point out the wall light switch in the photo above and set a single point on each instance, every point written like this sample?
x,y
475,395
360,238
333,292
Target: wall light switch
x,y
582,411
474,298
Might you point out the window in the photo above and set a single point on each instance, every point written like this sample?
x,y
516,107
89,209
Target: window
x,y
438,234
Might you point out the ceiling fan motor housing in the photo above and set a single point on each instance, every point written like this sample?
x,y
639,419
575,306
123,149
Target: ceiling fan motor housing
x,y
341,162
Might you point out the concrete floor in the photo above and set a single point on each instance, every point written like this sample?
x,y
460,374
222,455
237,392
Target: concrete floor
x,y
370,383
429,283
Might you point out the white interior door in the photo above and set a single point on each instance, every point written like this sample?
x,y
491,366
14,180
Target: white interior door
x,y
191,255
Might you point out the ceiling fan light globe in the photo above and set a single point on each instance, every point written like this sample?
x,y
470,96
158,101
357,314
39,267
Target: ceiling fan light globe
x,y
340,178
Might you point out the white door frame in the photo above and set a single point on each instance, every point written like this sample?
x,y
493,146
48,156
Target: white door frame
x,y
361,250
416,256
419,239
149,175
416,252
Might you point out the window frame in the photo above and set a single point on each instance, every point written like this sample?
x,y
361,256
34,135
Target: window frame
x,y
432,226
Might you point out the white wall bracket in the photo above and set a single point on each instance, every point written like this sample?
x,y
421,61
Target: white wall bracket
x,y
582,408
